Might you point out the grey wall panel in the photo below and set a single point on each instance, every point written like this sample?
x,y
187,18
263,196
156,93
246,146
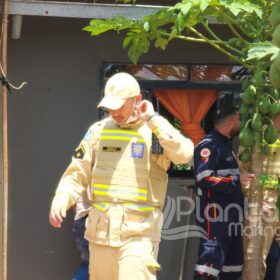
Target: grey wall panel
x,y
178,210
47,119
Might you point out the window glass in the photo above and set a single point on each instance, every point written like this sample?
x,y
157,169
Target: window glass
x,y
215,72
160,72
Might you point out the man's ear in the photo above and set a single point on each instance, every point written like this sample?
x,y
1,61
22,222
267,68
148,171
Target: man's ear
x,y
138,98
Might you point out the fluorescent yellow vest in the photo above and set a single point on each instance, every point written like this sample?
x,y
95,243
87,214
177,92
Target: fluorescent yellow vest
x,y
124,170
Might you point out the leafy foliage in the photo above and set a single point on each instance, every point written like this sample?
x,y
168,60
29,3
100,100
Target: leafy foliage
x,y
261,50
247,20
265,180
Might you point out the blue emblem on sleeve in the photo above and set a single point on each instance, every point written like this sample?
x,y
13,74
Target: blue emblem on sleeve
x,y
137,150
88,135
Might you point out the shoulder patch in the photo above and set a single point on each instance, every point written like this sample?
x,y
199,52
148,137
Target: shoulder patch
x,y
79,152
205,153
88,135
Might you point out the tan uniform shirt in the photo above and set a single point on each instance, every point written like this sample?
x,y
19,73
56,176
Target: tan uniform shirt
x,y
83,206
78,175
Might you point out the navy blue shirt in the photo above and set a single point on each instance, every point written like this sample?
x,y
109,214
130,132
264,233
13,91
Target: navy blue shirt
x,y
215,165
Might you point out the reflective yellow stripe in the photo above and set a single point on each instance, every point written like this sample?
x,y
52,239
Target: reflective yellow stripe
x,y
102,186
99,192
127,192
157,133
121,132
102,206
122,138
150,264
149,261
126,195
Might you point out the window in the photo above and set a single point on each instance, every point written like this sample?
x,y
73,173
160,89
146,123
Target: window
x,y
225,79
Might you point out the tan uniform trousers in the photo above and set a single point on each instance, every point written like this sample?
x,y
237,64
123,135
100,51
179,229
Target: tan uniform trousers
x,y
270,222
123,243
127,262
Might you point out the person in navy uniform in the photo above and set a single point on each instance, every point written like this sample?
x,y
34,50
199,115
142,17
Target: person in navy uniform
x,y
219,203
272,261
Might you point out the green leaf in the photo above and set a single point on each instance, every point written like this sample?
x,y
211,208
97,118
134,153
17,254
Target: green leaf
x,y
264,178
182,7
204,4
185,8
261,50
99,26
181,21
126,42
275,55
238,6
242,15
161,18
138,43
161,43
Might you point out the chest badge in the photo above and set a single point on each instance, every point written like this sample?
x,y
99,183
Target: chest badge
x,y
111,149
137,150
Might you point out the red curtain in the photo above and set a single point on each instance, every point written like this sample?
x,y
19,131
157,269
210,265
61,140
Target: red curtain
x,y
188,106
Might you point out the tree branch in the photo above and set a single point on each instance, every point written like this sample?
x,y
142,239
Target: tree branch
x,y
211,32
214,44
229,22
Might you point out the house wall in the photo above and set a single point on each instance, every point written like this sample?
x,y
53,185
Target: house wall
x,y
47,119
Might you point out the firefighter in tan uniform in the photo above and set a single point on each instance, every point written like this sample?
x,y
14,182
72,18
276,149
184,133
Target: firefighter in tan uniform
x,y
128,183
270,215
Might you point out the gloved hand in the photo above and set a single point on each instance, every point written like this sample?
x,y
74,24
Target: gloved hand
x,y
144,110
58,211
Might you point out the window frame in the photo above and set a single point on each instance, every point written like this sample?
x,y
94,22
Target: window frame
x,y
147,87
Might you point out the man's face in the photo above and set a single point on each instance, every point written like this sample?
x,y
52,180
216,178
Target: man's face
x,y
234,124
121,115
